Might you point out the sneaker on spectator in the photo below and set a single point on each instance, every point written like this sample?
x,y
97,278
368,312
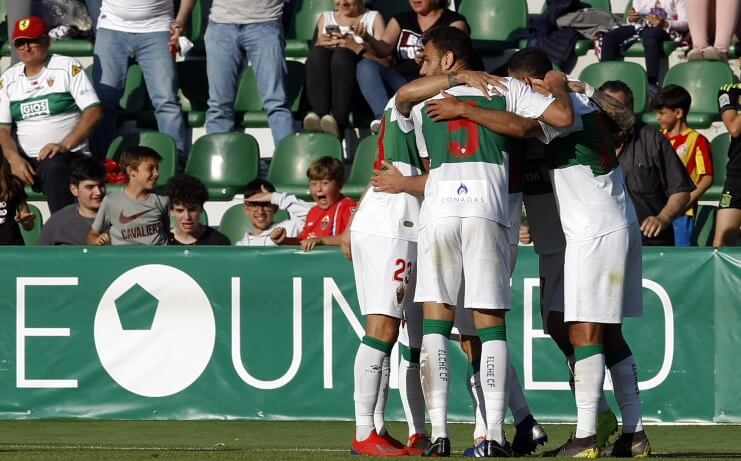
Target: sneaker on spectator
x,y
714,54
329,124
695,54
375,126
312,122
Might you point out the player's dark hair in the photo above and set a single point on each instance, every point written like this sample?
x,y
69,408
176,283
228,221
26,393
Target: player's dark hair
x,y
616,86
132,156
327,168
186,190
255,186
529,62
673,97
86,168
451,39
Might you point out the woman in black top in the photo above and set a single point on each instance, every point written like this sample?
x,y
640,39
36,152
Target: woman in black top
x,y
402,40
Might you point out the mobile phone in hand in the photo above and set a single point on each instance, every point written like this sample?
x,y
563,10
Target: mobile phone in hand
x,y
332,29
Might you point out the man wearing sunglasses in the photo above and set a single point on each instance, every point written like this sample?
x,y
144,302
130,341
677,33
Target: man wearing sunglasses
x,y
50,104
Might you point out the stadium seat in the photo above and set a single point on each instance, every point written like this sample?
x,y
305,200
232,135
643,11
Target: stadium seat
x,y
495,24
292,157
234,223
134,98
701,79
583,45
719,146
31,237
196,27
362,167
301,30
3,23
634,75
225,162
248,103
160,142
636,49
66,47
702,234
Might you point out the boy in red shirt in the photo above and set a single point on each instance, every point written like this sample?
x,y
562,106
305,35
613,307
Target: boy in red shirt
x,y
672,105
331,215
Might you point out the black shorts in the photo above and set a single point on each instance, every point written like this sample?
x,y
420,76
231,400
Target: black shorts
x,y
731,196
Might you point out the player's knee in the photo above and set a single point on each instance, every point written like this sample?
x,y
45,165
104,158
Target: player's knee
x,y
383,327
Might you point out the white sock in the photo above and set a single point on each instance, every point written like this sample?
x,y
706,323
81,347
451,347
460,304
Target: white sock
x,y
602,406
517,402
494,369
589,378
624,376
479,405
435,373
383,396
368,371
410,391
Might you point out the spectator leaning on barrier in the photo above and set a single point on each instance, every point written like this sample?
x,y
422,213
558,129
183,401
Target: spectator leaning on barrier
x,y
251,29
54,108
145,31
655,178
71,225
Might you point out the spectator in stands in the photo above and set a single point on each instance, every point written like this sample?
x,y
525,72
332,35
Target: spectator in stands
x,y
134,215
13,207
728,219
652,22
250,29
261,202
331,214
402,40
699,14
54,108
187,196
330,67
146,31
672,104
655,178
71,225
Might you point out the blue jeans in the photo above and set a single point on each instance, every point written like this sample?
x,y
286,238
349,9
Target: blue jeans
x,y
378,84
113,49
264,47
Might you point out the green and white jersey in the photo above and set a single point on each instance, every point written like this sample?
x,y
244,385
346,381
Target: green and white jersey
x,y
392,215
46,107
587,180
469,164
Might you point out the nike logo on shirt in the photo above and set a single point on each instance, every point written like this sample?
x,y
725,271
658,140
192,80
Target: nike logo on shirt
x,y
123,219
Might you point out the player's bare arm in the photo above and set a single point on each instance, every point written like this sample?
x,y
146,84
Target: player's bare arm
x,y
90,117
675,206
560,113
702,185
618,112
390,180
427,87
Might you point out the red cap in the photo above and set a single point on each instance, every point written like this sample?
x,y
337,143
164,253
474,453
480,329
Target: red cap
x,y
30,27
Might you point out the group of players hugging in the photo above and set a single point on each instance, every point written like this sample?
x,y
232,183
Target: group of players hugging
x,y
434,243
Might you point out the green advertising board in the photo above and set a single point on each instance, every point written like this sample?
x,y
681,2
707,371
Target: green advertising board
x,y
200,333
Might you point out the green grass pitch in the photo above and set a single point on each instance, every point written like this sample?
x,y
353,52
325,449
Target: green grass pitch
x,y
258,440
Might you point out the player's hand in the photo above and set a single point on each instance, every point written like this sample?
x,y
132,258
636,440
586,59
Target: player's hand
x,y
278,235
447,108
483,81
656,21
103,239
309,243
556,80
525,237
653,225
388,179
22,169
345,244
52,149
576,86
633,15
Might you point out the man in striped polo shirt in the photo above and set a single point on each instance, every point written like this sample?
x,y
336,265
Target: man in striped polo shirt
x,y
50,102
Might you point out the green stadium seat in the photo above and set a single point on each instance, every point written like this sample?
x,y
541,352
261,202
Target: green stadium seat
x,y
292,157
160,142
719,145
225,162
636,49
31,237
197,27
702,234
634,75
362,167
583,45
701,79
248,103
32,195
301,31
234,223
3,23
495,23
67,47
